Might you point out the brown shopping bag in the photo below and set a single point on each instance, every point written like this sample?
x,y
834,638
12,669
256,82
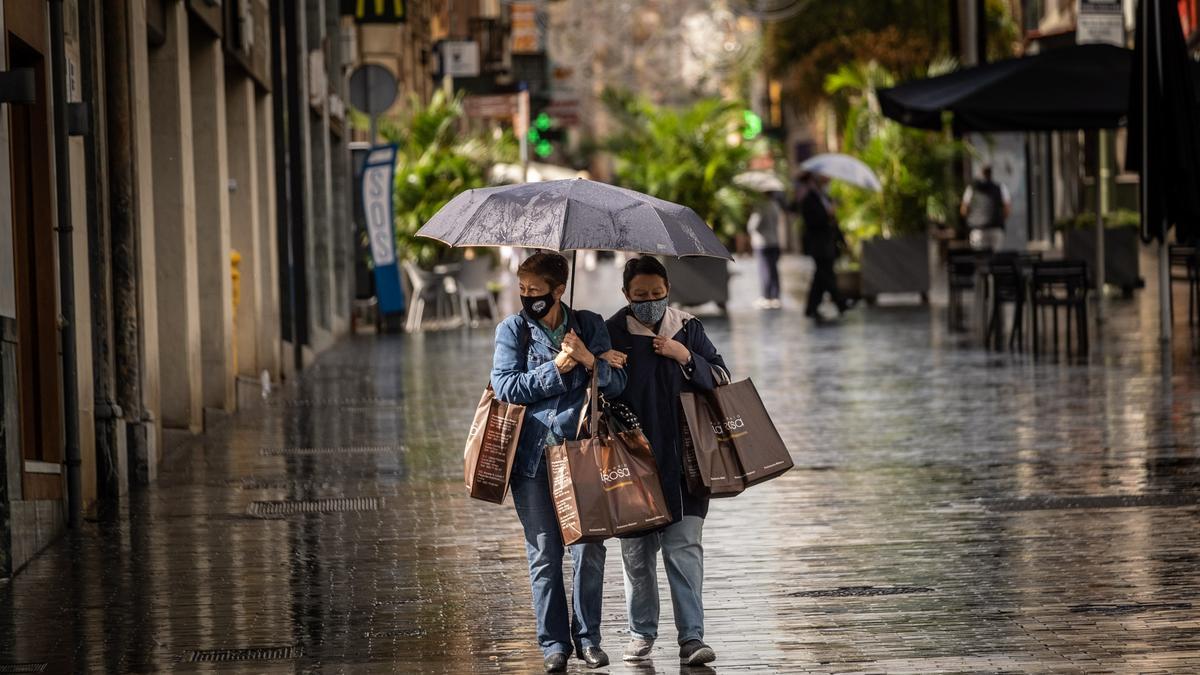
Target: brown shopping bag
x,y
491,447
742,421
607,484
710,463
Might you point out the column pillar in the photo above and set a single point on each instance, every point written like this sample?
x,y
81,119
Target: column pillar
x,y
212,219
269,337
244,198
174,207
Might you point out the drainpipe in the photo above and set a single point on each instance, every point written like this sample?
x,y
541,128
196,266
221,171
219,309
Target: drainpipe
x,y
66,263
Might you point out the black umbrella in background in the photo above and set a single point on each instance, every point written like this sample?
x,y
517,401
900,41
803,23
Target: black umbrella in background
x,y
1164,136
1064,89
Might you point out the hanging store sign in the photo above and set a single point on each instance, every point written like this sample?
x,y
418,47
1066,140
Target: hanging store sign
x,y
526,29
377,177
1100,22
376,11
460,58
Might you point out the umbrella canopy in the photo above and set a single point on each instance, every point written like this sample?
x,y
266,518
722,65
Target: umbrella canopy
x,y
1169,162
573,215
843,168
760,181
1079,87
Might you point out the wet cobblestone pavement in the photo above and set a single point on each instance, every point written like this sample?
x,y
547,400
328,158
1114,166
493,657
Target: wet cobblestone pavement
x,y
951,511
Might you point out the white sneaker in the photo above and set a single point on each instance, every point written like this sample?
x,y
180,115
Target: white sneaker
x,y
638,649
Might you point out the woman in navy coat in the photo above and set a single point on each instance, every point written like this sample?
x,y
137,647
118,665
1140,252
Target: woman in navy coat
x,y
666,352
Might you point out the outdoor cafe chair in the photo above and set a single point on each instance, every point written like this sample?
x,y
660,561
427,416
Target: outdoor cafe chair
x,y
473,289
1007,288
1060,285
961,266
1186,267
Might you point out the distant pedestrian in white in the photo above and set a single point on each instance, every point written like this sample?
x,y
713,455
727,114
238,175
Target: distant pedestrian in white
x,y
986,205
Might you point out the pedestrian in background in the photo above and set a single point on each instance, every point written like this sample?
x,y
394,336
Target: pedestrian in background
x,y
822,241
543,359
986,206
767,228
668,352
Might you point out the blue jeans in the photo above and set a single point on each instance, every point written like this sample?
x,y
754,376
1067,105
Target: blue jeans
x,y
544,546
683,555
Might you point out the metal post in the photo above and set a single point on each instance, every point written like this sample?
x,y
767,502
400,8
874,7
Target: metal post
x,y
1101,205
523,132
1164,260
66,265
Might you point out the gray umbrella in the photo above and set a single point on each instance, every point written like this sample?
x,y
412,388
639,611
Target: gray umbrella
x,y
573,215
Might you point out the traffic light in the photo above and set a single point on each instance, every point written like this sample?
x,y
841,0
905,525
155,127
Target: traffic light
x,y
543,135
753,127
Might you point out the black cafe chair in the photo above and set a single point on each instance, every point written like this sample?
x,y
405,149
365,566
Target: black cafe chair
x,y
1185,267
1060,285
1007,288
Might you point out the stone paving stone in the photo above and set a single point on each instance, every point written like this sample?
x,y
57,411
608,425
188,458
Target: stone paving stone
x,y
902,435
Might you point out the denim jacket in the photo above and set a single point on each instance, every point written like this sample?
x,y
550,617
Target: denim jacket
x,y
552,400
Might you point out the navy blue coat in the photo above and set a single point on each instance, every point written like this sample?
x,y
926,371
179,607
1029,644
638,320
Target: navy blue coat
x,y
652,387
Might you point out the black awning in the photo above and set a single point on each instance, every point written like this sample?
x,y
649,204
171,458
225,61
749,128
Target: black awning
x,y
1080,87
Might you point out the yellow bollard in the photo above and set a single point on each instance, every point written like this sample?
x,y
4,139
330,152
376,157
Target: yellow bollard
x,y
235,259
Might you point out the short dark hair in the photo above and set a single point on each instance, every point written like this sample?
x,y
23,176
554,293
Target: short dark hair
x,y
987,171
548,265
644,265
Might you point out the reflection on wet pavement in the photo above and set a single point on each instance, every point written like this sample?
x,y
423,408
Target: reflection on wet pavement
x,y
951,510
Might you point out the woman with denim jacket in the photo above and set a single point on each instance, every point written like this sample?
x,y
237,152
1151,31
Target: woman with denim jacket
x,y
544,360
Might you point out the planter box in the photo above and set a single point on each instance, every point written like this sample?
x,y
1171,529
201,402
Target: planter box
x,y
1121,248
849,283
698,281
899,265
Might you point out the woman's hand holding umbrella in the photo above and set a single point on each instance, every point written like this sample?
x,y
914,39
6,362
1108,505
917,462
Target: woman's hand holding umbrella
x,y
574,347
564,362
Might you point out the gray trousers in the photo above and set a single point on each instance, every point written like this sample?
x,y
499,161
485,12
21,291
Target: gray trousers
x,y
683,556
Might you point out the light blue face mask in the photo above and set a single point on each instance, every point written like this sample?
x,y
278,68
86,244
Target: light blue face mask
x,y
649,312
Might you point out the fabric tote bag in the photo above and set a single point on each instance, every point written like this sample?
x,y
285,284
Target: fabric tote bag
x,y
710,463
491,447
742,421
606,484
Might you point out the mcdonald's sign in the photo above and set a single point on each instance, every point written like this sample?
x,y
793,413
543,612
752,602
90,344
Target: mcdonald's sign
x,y
376,11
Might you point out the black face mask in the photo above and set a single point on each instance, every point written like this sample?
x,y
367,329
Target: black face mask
x,y
538,306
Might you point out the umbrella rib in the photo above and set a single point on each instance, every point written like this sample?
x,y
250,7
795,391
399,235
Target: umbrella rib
x,y
562,229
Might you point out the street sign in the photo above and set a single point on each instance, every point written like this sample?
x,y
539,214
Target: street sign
x,y
491,106
526,35
377,177
372,89
460,58
1100,21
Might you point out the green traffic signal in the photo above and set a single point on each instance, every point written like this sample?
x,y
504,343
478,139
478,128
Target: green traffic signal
x,y
543,149
754,125
542,122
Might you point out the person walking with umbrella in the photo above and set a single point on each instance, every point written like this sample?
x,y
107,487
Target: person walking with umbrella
x,y
543,356
543,360
823,241
667,352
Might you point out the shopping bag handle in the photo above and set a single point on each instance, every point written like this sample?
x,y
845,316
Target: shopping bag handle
x,y
721,375
591,404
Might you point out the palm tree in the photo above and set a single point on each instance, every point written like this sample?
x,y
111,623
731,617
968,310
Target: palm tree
x,y
688,156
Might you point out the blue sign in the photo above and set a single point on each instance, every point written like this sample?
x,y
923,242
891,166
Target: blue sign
x,y
378,174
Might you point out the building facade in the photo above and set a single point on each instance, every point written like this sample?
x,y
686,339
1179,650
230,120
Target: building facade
x,y
174,222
